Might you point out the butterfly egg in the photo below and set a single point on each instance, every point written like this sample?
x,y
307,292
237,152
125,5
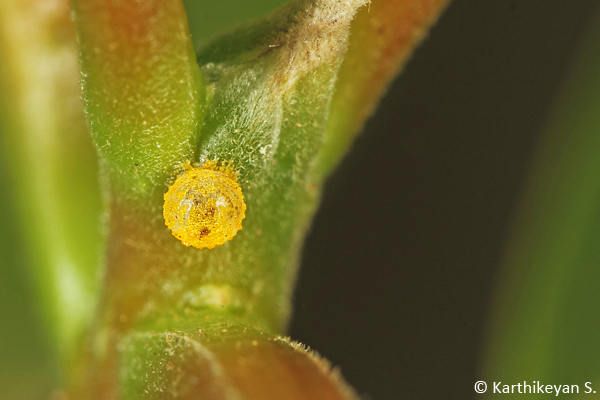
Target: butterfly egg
x,y
204,207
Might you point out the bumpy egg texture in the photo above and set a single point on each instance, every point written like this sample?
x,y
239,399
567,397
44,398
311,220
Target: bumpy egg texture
x,y
204,207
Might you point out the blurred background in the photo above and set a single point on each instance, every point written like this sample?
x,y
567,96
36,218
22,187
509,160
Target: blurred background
x,y
400,264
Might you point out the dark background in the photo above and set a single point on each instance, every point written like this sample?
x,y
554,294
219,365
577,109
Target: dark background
x,y
399,267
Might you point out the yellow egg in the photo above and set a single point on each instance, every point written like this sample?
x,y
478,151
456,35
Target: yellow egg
x,y
204,207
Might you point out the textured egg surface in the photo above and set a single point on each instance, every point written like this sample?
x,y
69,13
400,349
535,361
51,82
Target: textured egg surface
x,y
204,208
